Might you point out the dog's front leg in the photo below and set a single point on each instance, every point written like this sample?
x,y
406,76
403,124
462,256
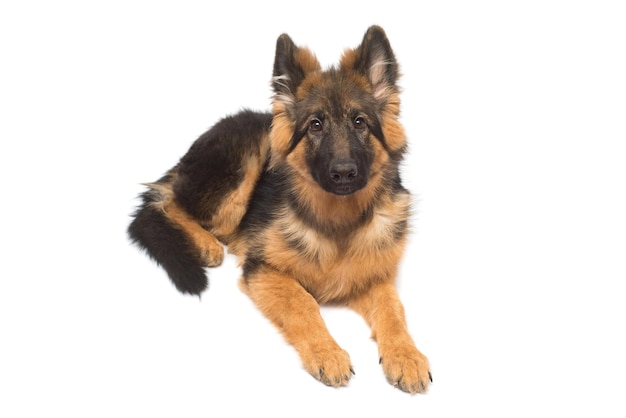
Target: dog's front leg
x,y
403,364
297,315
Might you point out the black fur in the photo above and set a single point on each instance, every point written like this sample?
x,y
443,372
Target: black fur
x,y
212,166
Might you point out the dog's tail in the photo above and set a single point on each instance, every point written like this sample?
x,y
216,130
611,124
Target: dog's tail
x,y
167,245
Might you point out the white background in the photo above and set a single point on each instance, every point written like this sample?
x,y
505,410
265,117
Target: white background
x,y
514,277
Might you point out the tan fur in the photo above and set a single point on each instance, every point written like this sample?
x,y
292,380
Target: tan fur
x,y
282,128
402,362
296,314
307,60
233,207
327,271
392,128
361,275
209,248
329,207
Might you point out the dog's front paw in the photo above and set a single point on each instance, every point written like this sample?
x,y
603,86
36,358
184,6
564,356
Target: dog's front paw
x,y
328,363
406,368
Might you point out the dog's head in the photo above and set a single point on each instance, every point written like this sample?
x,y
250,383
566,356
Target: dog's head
x,y
337,128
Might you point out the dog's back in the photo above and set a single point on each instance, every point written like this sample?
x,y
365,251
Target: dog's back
x,y
200,202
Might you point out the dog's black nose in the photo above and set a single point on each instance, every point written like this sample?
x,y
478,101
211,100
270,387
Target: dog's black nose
x,y
343,171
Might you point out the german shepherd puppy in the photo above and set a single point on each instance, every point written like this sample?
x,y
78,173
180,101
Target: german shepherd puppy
x,y
309,198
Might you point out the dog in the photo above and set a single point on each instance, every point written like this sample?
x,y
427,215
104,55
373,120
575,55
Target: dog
x,y
309,198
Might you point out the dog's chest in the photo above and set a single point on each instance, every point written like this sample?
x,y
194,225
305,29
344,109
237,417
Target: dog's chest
x,y
332,267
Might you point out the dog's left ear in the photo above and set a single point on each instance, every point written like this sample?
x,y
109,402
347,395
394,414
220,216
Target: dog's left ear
x,y
374,59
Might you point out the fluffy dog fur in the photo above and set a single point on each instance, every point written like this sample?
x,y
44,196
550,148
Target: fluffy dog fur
x,y
310,200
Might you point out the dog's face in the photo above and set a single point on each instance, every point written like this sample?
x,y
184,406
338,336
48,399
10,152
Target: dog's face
x,y
336,128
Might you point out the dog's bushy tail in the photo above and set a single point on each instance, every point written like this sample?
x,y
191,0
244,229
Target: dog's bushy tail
x,y
167,245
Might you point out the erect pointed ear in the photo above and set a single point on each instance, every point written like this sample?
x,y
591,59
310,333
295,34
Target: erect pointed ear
x,y
374,59
291,65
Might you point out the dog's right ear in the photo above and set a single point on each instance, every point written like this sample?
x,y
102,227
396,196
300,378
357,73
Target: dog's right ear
x,y
291,65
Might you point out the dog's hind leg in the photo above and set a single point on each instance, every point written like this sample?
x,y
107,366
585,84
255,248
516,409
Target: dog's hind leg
x,y
210,250
217,177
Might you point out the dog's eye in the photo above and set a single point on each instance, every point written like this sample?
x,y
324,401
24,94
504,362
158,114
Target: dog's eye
x,y
315,125
359,122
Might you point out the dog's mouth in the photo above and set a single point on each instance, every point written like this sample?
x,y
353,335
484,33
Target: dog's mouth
x,y
344,190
